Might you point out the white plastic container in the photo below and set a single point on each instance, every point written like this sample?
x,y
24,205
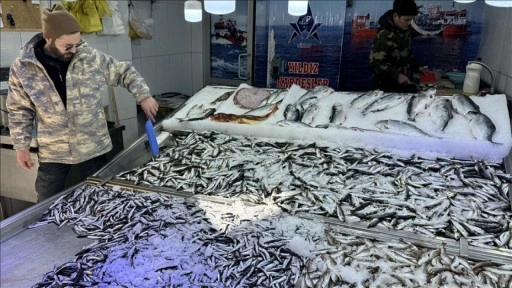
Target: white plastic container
x,y
472,80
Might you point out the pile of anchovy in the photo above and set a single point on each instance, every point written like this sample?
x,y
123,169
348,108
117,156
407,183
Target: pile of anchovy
x,y
443,197
355,262
155,240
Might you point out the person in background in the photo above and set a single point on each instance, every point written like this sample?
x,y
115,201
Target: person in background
x,y
391,59
56,84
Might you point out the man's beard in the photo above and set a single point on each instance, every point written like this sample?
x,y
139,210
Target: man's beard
x,y
65,57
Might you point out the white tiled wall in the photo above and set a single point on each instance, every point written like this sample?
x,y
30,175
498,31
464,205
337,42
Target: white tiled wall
x,y
496,47
10,46
170,62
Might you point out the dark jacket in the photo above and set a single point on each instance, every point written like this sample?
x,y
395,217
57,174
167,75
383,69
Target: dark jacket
x,y
390,56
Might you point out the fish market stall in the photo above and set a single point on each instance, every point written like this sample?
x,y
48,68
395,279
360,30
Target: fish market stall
x,y
235,200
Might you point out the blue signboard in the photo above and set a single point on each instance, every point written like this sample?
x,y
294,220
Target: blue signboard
x,y
330,45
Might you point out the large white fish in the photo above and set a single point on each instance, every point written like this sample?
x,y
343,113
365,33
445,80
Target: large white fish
x,y
400,127
276,96
385,102
318,91
291,113
365,99
481,126
419,103
441,113
338,115
463,104
304,104
309,115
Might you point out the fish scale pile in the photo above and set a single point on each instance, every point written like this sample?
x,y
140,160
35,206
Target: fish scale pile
x,y
445,197
155,240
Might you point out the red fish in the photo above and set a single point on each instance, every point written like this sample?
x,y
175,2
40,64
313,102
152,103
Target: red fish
x,y
242,119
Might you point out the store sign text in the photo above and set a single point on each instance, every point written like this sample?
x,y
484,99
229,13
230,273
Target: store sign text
x,y
303,68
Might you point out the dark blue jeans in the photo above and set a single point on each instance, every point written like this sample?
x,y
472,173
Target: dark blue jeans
x,y
52,177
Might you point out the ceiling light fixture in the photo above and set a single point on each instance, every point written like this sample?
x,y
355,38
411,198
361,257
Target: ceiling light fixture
x,y
499,3
193,11
219,7
464,1
297,7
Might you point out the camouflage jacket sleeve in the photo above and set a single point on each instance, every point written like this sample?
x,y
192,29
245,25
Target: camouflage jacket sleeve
x,y
384,56
123,73
21,112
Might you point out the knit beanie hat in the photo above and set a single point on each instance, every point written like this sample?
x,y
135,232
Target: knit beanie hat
x,y
57,21
405,7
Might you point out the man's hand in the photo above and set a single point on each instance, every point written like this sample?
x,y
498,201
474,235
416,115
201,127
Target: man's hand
x,y
150,107
404,80
24,159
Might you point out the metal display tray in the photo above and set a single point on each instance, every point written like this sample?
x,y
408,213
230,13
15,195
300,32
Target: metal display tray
x,y
29,253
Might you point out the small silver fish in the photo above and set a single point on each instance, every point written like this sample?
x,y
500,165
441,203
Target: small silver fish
x,y
197,113
195,110
338,126
288,123
222,97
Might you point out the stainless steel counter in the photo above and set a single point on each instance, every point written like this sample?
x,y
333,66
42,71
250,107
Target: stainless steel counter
x,y
27,254
34,252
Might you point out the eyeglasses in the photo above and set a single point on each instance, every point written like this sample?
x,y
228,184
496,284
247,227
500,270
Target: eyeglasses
x,y
70,46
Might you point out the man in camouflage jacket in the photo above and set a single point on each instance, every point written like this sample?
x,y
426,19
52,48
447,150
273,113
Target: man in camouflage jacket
x,y
391,60
56,83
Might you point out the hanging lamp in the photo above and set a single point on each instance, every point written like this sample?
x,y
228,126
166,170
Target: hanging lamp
x,y
297,7
193,11
499,3
219,7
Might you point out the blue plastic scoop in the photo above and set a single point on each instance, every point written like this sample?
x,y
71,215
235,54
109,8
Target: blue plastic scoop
x,y
153,144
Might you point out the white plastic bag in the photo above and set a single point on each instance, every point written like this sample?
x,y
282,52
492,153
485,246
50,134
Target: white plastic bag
x,y
138,28
113,25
